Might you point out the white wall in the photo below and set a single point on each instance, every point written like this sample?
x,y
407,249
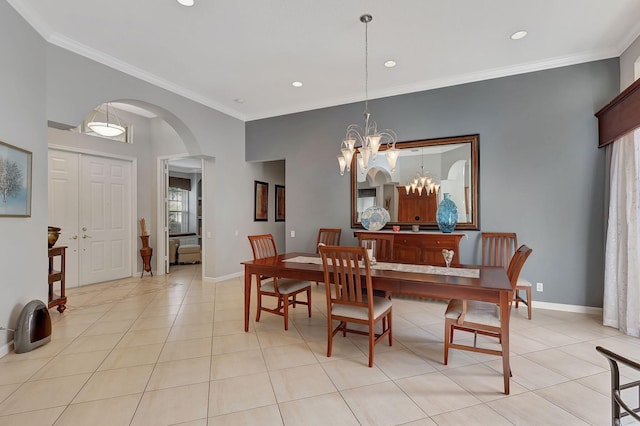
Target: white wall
x,y
629,63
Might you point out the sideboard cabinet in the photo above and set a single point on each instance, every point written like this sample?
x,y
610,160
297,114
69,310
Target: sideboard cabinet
x,y
419,247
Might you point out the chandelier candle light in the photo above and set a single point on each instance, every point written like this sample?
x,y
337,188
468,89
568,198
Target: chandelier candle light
x,y
369,138
422,182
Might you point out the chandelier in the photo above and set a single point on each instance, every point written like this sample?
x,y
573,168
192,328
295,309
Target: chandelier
x,y
108,129
422,181
368,137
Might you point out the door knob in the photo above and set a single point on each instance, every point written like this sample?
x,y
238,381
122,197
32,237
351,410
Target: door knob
x,y
86,236
75,237
84,228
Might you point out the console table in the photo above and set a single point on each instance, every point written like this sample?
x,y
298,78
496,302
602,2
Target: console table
x,y
419,247
57,275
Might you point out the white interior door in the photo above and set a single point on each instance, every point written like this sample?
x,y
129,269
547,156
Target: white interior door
x,y
104,218
90,199
63,207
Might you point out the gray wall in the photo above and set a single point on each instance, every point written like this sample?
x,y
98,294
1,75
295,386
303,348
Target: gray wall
x,y
541,174
627,64
23,124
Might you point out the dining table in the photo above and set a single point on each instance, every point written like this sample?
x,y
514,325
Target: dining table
x,y
471,282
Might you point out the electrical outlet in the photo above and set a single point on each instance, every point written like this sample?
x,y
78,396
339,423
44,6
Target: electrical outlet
x,y
293,234
539,287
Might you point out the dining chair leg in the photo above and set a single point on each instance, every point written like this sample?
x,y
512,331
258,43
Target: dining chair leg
x,y
448,336
529,301
372,336
259,306
329,337
390,330
286,311
309,301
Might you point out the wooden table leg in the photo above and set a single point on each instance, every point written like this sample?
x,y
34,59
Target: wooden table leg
x,y
247,298
504,335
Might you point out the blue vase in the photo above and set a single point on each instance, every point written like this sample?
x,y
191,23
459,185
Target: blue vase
x,y
447,214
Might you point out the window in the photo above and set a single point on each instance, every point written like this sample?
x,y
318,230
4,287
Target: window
x,y
178,211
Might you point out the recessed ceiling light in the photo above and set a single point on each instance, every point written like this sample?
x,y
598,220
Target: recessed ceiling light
x,y
390,64
297,84
518,35
186,2
239,100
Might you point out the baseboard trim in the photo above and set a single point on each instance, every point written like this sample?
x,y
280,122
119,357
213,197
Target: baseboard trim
x,y
567,308
224,277
5,349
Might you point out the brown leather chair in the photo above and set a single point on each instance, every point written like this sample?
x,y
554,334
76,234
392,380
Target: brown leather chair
x,y
346,302
479,317
497,250
284,289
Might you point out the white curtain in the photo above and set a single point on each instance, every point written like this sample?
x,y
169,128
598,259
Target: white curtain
x,y
622,257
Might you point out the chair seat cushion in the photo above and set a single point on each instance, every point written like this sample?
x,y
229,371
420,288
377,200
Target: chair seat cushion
x,y
285,286
522,282
477,312
380,305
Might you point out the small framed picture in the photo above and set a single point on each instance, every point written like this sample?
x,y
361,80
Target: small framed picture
x,y
280,203
261,201
15,181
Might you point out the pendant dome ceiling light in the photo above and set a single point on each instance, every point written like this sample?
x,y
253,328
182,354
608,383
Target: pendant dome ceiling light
x,y
107,128
369,138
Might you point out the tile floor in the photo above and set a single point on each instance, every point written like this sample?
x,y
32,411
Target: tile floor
x,y
172,350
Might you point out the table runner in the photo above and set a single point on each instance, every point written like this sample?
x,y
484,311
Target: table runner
x,y
403,267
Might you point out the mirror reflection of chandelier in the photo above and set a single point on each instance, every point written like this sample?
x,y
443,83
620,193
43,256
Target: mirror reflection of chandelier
x,y
423,182
369,138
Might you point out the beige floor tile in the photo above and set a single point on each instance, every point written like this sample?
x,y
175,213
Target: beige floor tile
x,y
45,417
144,337
483,382
278,337
20,371
269,415
112,383
183,349
382,404
278,357
240,393
66,365
224,328
107,412
130,357
158,321
300,382
478,415
6,390
179,373
435,393
529,374
564,363
51,349
234,343
342,348
172,406
579,400
531,409
353,373
187,332
42,394
402,363
193,318
319,410
237,364
93,343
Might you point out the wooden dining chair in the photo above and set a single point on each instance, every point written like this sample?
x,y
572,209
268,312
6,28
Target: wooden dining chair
x,y
328,237
497,250
384,246
350,299
479,317
284,289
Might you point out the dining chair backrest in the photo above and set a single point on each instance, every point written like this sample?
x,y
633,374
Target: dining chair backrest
x,y
343,277
263,246
516,264
498,248
328,237
384,246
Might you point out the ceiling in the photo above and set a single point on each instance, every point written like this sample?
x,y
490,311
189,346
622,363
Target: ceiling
x,y
240,57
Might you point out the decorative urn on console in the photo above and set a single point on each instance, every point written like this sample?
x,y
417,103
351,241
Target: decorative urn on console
x,y
52,236
447,214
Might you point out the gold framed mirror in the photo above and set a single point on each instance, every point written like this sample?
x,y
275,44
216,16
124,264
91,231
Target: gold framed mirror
x,y
434,167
